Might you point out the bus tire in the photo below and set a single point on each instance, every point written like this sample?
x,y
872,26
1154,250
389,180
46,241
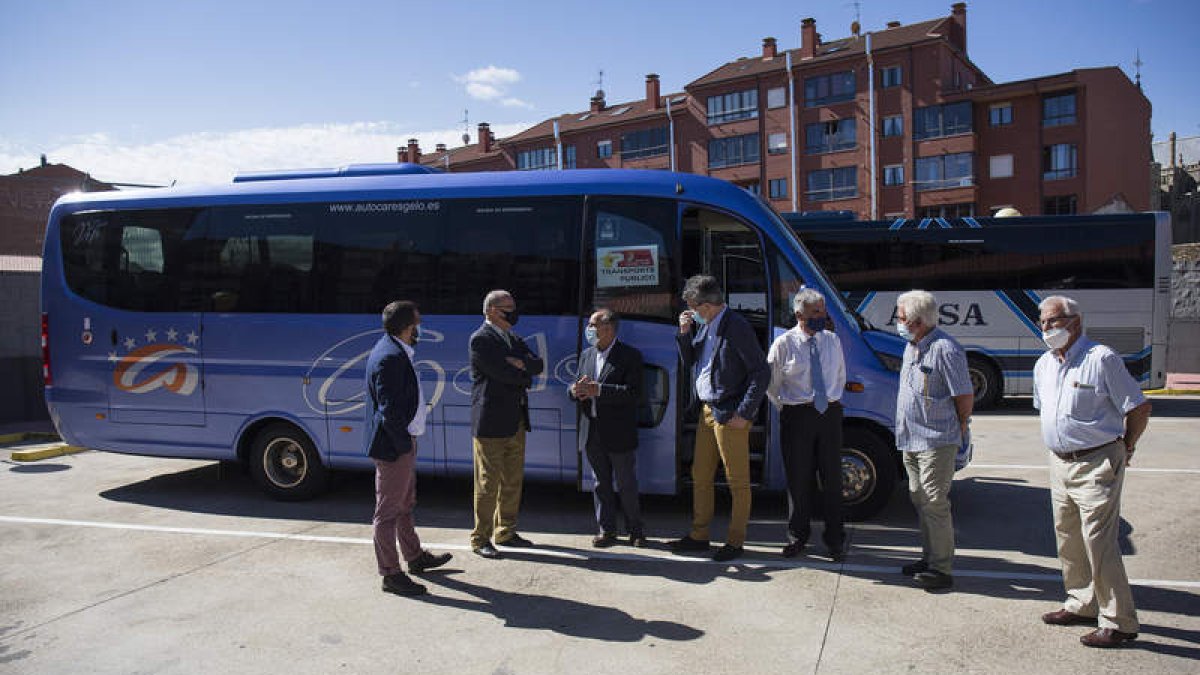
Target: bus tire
x,y
285,464
868,473
985,380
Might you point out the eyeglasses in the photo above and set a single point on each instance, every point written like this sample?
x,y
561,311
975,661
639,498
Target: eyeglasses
x,y
1056,320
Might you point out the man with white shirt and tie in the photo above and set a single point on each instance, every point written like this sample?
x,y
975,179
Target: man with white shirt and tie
x,y
808,374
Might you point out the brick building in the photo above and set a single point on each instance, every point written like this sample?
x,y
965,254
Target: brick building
x,y
25,201
897,122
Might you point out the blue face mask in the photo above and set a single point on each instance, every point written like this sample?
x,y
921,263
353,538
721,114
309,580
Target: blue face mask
x,y
591,336
700,320
816,324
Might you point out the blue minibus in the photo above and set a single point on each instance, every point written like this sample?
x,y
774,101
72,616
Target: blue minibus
x,y
232,322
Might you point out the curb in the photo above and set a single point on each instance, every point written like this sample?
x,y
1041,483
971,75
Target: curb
x,y
45,453
1171,392
28,436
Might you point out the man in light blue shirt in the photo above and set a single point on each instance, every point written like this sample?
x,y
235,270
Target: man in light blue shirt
x,y
1092,414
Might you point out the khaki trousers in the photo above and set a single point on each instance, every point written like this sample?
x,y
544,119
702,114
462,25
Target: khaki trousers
x,y
1086,498
732,447
499,475
930,474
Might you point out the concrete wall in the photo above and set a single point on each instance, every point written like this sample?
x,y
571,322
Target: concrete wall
x,y
1183,351
21,395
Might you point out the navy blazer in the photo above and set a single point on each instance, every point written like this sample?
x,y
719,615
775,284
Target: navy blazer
x,y
615,426
499,402
392,399
740,371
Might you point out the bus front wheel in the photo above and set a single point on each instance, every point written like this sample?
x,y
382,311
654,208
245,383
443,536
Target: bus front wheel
x,y
284,463
868,473
985,381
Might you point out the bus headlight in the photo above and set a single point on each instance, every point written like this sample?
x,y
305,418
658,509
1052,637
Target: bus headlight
x,y
890,362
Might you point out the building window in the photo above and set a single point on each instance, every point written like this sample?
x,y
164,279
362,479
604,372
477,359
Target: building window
x,y
828,89
893,126
942,120
733,151
753,188
890,77
947,211
604,149
777,97
893,175
1059,161
1058,110
827,184
738,105
1000,166
829,136
569,157
1061,205
536,160
945,171
777,144
1000,115
644,143
778,187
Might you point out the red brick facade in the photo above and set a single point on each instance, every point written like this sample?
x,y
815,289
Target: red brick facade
x,y
25,201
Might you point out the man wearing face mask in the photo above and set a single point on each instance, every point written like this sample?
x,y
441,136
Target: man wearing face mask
x,y
396,413
933,409
808,374
502,370
609,390
1092,413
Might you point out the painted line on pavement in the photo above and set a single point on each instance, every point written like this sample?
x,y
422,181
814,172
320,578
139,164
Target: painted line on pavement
x,y
581,554
1044,467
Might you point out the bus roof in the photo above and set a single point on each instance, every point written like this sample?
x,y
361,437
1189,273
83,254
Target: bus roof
x,y
813,222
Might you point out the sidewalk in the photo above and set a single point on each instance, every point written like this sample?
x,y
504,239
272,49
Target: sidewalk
x,y
1183,381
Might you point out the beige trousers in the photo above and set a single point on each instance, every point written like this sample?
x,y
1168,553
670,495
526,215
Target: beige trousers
x,y
716,441
499,476
930,474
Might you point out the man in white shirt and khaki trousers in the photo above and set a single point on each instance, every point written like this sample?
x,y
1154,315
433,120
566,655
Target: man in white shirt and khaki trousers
x,y
808,374
1092,414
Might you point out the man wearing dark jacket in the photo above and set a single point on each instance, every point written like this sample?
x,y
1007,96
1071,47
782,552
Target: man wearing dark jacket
x,y
396,413
608,390
502,370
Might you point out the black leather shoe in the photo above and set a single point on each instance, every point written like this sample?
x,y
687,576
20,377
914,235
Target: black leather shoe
x,y
793,549
914,568
400,584
933,580
728,552
427,561
638,541
1064,618
516,541
837,553
1107,637
688,545
486,550
604,540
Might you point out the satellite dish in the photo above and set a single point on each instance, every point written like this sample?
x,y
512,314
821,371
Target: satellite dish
x,y
1007,212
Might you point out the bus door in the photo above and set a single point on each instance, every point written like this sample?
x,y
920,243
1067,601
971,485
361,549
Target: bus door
x,y
631,265
720,245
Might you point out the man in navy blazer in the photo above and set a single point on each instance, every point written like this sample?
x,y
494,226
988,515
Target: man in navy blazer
x,y
721,352
502,370
608,391
395,416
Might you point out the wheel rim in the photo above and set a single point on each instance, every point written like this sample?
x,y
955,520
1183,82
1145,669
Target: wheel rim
x,y
979,382
285,463
858,476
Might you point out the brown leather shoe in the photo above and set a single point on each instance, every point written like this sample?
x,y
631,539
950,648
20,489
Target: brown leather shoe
x,y
1064,618
1107,637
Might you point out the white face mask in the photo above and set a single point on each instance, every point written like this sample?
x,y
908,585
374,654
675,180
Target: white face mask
x,y
902,329
592,337
1056,338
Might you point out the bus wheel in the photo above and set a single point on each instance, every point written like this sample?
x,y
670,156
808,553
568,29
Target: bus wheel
x,y
285,464
985,380
868,473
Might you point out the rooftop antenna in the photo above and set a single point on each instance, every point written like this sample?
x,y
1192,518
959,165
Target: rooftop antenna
x,y
466,137
600,82
855,27
1137,63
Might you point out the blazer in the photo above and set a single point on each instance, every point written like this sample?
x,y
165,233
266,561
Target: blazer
x,y
614,428
499,402
740,371
392,399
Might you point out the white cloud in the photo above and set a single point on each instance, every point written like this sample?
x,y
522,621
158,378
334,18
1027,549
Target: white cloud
x,y
492,84
215,157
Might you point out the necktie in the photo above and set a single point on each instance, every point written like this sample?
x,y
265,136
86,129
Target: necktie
x,y
820,400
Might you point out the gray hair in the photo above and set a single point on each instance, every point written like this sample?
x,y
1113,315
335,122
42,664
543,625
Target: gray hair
x,y
493,298
806,297
702,289
609,317
919,305
1069,306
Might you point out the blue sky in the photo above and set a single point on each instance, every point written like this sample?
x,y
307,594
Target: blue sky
x,y
139,91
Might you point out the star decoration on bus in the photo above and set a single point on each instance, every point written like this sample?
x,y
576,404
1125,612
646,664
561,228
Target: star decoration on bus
x,y
151,335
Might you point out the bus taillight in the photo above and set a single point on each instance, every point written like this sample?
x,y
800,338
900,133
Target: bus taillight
x,y
46,378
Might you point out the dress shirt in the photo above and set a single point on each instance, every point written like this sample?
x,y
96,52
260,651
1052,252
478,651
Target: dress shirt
x,y
933,372
601,359
791,379
704,379
417,426
1084,398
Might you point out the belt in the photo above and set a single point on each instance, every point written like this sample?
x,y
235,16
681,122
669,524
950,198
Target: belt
x,y
1081,454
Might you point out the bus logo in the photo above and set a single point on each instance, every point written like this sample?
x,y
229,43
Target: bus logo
x,y
149,367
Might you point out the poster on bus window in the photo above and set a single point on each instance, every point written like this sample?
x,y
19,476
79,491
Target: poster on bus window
x,y
626,266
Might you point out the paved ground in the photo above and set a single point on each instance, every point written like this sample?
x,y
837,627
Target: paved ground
x,y
116,564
